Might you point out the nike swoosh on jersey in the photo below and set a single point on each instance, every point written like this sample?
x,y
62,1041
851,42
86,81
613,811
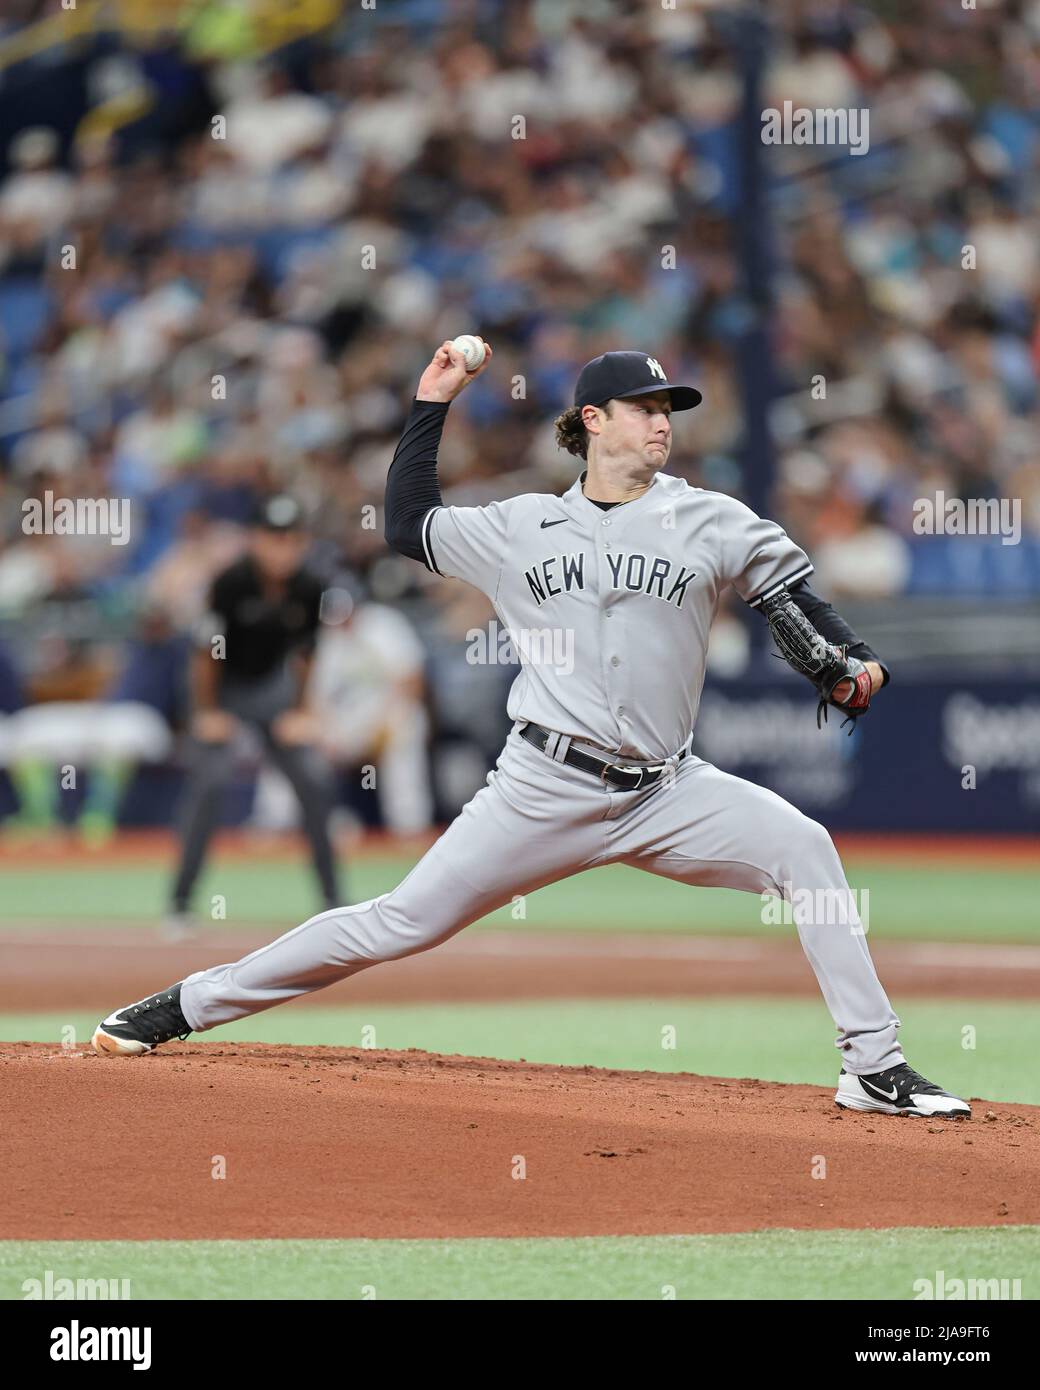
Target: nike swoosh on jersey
x,y
553,523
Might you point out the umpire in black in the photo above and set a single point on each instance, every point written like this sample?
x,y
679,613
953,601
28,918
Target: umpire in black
x,y
251,666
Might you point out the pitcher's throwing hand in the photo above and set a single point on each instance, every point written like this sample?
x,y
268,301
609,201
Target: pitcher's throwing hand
x,y
446,375
628,566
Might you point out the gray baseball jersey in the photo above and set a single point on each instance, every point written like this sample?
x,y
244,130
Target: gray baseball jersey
x,y
610,611
632,593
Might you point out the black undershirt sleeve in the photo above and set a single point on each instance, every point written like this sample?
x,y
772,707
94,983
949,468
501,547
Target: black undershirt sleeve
x,y
832,625
412,489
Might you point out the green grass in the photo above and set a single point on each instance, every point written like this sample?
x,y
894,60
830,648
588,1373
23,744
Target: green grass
x,y
758,1265
941,901
774,1039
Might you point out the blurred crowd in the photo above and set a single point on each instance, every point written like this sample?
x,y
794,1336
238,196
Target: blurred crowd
x,y
223,268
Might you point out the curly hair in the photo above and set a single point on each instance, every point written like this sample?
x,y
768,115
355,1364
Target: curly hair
x,y
571,433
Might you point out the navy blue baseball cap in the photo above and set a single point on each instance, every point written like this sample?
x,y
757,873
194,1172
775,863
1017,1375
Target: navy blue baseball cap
x,y
619,374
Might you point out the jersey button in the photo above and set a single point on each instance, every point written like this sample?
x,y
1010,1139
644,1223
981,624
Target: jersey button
x,y
606,523
615,661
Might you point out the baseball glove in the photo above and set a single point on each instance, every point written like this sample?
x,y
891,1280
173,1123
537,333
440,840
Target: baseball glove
x,y
811,655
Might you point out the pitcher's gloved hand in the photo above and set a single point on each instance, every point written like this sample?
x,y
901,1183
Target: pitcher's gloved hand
x,y
850,692
840,680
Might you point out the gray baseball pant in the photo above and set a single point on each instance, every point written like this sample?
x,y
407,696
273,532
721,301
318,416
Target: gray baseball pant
x,y
538,821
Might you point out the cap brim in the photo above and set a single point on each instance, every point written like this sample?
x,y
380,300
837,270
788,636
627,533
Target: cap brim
x,y
683,397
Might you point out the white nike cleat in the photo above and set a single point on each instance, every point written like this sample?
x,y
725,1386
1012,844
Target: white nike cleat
x,y
898,1091
138,1028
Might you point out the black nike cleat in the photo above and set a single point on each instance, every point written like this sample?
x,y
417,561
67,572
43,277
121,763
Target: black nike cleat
x,y
898,1091
141,1027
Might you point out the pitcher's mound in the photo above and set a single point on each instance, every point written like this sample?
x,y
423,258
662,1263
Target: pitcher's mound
x,y
211,1141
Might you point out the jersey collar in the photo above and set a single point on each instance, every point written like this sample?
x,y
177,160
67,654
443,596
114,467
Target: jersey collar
x,y
576,497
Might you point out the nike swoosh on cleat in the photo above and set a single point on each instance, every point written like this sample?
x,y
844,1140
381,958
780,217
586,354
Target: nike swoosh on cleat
x,y
880,1090
553,523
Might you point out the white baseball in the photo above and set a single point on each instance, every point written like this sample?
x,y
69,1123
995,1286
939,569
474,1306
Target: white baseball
x,y
472,350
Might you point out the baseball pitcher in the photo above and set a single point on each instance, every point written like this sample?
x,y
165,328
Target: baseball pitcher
x,y
626,568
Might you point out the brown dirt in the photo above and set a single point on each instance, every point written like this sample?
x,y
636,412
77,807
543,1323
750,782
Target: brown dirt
x,y
101,968
330,1142
135,846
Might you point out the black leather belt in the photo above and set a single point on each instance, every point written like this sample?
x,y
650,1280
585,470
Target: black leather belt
x,y
629,779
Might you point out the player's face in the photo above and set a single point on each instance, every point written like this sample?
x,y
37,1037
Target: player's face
x,y
641,427
278,553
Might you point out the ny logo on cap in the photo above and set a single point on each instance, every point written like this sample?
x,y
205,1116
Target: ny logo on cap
x,y
655,368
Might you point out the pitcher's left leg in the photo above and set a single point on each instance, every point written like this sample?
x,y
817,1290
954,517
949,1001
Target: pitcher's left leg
x,y
712,829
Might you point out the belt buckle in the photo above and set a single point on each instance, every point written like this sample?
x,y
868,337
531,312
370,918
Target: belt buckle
x,y
619,767
658,769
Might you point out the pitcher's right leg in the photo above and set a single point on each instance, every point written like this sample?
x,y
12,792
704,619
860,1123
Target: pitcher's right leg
x,y
430,905
529,826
